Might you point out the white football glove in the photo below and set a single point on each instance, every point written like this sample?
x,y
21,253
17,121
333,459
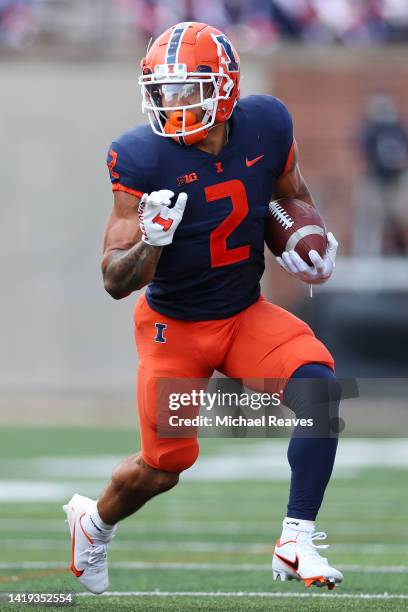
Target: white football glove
x,y
157,221
322,268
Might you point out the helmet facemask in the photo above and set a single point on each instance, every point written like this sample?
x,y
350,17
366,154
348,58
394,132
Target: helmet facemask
x,y
183,105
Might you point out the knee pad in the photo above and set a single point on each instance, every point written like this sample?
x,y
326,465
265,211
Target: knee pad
x,y
313,392
177,455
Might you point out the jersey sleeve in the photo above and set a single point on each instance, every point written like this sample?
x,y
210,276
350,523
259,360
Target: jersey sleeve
x,y
125,172
288,140
280,135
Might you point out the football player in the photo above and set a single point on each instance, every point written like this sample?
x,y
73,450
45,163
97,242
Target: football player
x,y
191,193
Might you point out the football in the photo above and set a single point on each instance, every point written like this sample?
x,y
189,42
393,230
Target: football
x,y
293,225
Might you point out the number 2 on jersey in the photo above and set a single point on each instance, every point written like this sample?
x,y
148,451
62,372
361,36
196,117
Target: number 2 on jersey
x,y
221,255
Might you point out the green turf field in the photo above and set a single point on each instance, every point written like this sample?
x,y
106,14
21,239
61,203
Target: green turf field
x,y
207,544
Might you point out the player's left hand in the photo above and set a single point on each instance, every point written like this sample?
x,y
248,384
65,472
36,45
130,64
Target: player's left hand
x,y
322,267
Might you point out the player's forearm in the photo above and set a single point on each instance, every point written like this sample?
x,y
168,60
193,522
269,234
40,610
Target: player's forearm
x,y
294,186
305,195
127,271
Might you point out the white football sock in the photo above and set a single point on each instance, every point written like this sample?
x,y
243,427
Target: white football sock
x,y
96,527
292,526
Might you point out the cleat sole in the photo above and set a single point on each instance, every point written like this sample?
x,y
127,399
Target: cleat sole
x,y
320,581
280,576
283,576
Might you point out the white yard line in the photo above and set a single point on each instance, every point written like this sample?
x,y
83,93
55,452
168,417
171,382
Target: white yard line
x,y
175,566
197,546
263,461
132,529
260,594
38,491
372,569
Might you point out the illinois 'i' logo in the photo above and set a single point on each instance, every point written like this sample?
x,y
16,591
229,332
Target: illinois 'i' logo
x,y
160,327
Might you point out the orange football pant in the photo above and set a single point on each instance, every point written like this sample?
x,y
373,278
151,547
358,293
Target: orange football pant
x,y
263,341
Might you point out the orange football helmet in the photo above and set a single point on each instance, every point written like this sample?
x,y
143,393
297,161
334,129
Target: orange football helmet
x,y
190,81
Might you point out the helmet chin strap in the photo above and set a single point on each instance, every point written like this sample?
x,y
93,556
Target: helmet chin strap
x,y
174,125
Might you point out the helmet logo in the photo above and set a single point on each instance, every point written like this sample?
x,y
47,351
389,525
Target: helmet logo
x,y
222,41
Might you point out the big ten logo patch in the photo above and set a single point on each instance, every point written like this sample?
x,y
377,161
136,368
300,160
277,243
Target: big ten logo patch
x,y
186,179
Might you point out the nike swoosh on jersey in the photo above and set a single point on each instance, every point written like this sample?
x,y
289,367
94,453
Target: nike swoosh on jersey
x,y
251,162
293,564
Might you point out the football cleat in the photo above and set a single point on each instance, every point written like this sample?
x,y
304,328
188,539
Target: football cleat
x,y
299,559
89,561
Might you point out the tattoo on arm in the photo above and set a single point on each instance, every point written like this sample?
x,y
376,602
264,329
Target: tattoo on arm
x,y
131,270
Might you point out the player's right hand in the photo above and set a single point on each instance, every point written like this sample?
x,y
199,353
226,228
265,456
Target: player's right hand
x,y
157,221
322,267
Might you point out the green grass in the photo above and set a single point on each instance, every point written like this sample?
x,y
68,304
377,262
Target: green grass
x,y
226,528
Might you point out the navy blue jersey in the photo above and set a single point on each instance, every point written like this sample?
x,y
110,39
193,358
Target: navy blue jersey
x,y
214,265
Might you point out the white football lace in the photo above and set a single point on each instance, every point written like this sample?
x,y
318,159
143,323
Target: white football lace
x,y
308,546
97,555
319,535
280,215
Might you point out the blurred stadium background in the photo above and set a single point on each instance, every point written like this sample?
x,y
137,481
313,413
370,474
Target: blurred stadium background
x,y
68,82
